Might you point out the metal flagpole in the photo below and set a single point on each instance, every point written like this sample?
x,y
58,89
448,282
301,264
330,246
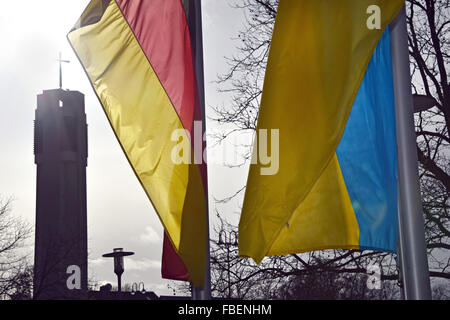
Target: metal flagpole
x,y
400,268
416,280
193,9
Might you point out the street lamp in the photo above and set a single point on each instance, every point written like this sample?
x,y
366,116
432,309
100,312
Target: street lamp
x,y
228,240
135,288
118,255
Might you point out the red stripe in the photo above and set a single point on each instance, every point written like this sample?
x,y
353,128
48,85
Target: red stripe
x,y
172,267
161,29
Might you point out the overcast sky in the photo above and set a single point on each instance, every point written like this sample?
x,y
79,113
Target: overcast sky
x,y
119,214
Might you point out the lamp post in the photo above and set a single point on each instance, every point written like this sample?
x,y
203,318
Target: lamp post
x,y
228,240
135,288
118,255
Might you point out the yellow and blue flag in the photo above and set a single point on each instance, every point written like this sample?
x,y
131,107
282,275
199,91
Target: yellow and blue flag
x,y
329,91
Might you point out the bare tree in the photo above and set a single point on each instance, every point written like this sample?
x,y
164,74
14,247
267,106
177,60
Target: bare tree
x,y
15,272
329,274
245,77
429,45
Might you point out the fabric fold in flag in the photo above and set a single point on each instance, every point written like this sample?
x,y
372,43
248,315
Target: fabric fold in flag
x,y
138,58
328,90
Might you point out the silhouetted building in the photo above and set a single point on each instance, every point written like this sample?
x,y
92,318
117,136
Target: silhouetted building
x,y
60,148
115,295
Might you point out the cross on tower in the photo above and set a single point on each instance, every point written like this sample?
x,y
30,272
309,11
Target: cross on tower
x,y
60,69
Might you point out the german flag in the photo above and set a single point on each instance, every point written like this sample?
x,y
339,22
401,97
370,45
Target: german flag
x,y
138,57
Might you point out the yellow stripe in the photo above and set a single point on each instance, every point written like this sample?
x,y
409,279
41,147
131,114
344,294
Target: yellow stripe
x,y
318,56
321,223
143,120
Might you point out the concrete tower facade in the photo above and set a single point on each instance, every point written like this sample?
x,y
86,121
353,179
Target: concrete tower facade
x,y
60,149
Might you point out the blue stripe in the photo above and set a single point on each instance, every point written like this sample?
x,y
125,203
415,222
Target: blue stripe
x,y
367,154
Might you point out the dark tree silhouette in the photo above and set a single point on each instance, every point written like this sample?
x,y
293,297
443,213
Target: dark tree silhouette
x,y
15,272
330,274
429,45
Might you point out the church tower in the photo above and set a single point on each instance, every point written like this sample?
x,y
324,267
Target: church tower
x,y
60,149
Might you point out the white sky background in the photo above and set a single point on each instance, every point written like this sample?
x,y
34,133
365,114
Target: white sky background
x,y
119,214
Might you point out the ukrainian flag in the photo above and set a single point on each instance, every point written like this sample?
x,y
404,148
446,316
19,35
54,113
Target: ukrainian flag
x,y
329,91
